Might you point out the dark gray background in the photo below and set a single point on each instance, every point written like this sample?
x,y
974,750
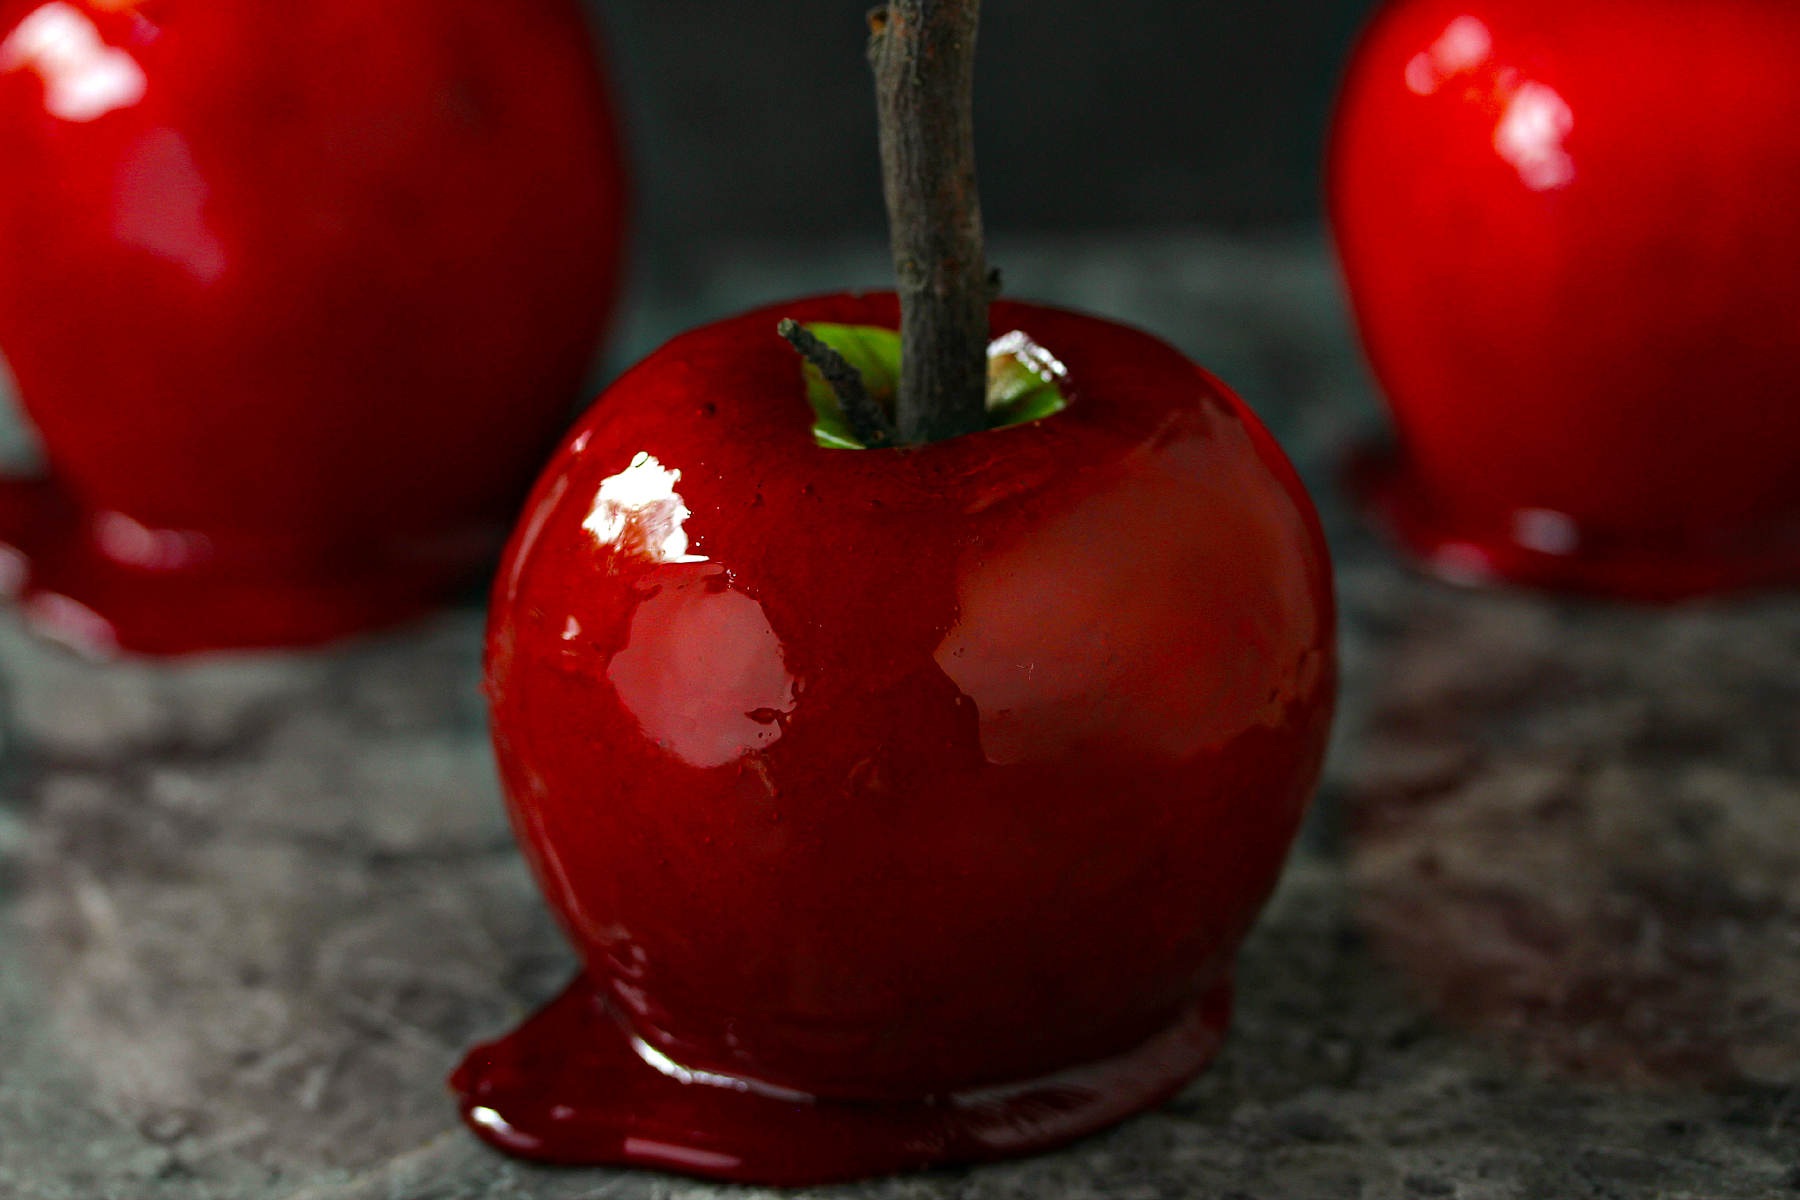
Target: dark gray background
x,y
755,118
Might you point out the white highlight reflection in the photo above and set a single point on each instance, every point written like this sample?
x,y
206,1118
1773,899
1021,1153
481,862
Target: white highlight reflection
x,y
487,1118
1534,119
674,1070
71,623
702,670
84,78
127,541
1464,45
1018,344
680,1156
1546,531
638,511
1530,136
159,197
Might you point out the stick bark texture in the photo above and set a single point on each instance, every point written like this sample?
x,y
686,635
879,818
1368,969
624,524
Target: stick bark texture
x,y
923,55
868,424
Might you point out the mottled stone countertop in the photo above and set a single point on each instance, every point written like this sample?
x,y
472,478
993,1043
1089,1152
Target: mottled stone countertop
x,y
1541,938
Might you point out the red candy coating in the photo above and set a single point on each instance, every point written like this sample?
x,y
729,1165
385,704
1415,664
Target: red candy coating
x,y
1568,230
882,776
297,295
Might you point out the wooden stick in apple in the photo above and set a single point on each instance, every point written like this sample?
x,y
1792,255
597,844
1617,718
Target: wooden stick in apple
x,y
923,55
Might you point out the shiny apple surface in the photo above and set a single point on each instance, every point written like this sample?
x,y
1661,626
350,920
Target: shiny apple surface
x,y
880,777
1567,230
298,296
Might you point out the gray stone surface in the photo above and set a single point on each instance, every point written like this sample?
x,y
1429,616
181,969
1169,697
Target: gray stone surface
x,y
1578,826
1539,940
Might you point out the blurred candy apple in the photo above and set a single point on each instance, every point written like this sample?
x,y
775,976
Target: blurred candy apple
x,y
907,804
1567,228
297,296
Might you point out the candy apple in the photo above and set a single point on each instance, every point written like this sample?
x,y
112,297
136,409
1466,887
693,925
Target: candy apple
x,y
907,741
905,805
1567,229
297,296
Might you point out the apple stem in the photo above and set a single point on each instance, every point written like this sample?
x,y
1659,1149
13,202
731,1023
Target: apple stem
x,y
923,55
867,422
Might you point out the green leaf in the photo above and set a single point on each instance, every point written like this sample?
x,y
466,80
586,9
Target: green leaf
x,y
872,350
1024,379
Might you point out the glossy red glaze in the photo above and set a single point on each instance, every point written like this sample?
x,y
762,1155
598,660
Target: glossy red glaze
x,y
1568,232
887,775
574,1089
297,295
